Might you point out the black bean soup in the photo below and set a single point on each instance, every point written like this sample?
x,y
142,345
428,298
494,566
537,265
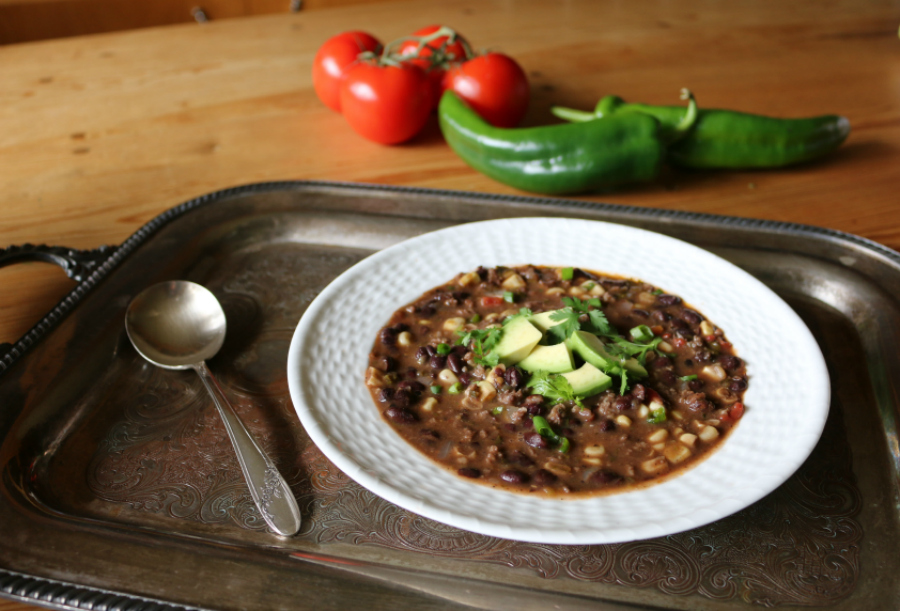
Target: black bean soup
x,y
556,381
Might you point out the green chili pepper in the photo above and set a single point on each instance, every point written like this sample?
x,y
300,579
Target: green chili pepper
x,y
567,158
730,139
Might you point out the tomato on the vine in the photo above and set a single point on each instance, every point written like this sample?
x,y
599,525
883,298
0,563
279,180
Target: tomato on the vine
x,y
453,51
332,60
386,103
494,85
434,57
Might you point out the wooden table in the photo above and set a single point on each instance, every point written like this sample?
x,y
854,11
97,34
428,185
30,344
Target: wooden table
x,y
100,134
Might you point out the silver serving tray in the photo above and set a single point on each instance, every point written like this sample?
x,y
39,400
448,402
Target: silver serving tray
x,y
119,490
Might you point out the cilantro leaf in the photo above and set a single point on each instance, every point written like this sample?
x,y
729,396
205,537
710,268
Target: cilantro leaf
x,y
481,342
568,323
553,386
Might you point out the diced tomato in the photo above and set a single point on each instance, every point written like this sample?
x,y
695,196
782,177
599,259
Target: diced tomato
x,y
679,342
709,338
657,329
489,301
667,335
736,411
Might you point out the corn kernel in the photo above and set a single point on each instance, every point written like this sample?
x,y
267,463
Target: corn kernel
x,y
676,453
709,433
404,339
454,324
428,404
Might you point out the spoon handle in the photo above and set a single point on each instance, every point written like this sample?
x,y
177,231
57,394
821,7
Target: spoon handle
x,y
273,497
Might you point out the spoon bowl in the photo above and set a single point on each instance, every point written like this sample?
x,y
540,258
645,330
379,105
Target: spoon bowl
x,y
178,325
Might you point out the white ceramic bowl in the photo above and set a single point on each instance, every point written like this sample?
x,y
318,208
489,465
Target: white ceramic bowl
x,y
786,403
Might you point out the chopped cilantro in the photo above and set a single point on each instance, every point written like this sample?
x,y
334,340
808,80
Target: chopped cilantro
x,y
543,428
568,318
482,341
553,386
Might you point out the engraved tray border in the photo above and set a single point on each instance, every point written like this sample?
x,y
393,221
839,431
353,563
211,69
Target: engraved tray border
x,y
883,265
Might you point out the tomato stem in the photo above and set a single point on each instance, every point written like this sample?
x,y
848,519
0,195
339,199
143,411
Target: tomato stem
x,y
437,58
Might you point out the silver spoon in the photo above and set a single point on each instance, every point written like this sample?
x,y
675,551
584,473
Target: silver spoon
x,y
178,325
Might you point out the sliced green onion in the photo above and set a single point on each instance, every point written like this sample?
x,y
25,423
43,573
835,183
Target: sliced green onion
x,y
436,390
444,349
509,297
588,285
564,445
657,414
455,388
475,319
689,378
641,333
567,273
497,410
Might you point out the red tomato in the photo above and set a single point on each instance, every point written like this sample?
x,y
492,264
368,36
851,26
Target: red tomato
x,y
455,51
386,104
332,60
435,77
489,301
494,85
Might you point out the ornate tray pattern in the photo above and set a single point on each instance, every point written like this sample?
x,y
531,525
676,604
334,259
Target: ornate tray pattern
x,y
128,467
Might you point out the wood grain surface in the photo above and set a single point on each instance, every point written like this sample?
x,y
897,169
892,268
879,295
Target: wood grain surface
x,y
99,134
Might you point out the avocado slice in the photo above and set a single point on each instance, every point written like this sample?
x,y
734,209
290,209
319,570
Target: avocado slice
x,y
518,340
589,347
587,380
542,321
552,359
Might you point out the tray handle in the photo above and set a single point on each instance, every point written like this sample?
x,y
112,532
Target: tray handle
x,y
78,264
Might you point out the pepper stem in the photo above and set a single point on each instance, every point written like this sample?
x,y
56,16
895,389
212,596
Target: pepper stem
x,y
688,120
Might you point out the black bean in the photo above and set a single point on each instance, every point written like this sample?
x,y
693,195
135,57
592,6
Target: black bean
x,y
388,336
668,300
400,327
385,394
400,415
514,377
385,363
660,316
691,317
459,295
641,313
543,478
464,378
666,376
402,398
738,384
606,425
414,386
520,458
678,324
422,355
535,440
729,362
430,350
640,392
455,363
605,476
470,472
513,477
437,361
623,403
427,311
661,363
695,385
